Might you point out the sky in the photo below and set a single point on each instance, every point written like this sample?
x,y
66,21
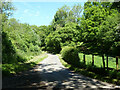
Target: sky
x,y
38,13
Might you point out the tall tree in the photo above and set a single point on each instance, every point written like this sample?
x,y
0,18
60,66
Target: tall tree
x,y
68,35
6,9
65,15
7,47
60,16
75,14
97,28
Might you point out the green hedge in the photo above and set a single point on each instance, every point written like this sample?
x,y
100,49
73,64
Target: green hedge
x,y
70,55
53,45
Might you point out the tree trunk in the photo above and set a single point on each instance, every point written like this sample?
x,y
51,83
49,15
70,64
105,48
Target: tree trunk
x,y
103,61
84,58
117,63
92,60
107,62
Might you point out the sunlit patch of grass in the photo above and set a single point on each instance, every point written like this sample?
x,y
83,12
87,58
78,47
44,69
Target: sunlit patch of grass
x,y
98,60
39,60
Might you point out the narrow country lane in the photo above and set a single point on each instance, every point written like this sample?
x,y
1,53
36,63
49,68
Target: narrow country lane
x,y
51,74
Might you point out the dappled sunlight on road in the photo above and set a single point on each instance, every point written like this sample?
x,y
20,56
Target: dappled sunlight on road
x,y
51,74
55,75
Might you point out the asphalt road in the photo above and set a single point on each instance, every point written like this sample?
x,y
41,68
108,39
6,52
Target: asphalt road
x,y
51,74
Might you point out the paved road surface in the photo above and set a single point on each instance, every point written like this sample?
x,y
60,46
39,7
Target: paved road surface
x,y
51,74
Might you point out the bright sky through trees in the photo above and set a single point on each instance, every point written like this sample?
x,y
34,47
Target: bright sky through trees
x,y
38,13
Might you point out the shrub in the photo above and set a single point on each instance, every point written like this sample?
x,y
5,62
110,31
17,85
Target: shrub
x,y
8,50
113,74
118,75
70,55
53,45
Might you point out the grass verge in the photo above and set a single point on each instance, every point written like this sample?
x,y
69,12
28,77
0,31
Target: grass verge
x,y
96,73
9,69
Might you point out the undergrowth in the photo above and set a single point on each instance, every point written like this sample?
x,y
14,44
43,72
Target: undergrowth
x,y
111,76
9,69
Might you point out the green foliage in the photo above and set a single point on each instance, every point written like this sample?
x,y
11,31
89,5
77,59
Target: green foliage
x,y
60,16
43,32
95,72
53,44
96,32
98,28
8,51
8,69
6,9
66,14
24,41
74,14
70,55
66,36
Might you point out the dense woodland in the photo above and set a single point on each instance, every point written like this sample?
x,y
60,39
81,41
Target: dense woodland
x,y
95,32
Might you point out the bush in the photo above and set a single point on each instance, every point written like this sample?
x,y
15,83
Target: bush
x,y
70,55
53,45
8,50
113,74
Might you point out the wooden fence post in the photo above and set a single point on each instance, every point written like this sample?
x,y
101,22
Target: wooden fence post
x,y
92,60
103,61
117,63
84,58
107,61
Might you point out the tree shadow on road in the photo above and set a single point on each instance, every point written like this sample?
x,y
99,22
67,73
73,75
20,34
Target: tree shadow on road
x,y
50,78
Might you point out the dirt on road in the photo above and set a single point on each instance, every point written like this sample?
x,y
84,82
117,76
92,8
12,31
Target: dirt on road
x,y
50,74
